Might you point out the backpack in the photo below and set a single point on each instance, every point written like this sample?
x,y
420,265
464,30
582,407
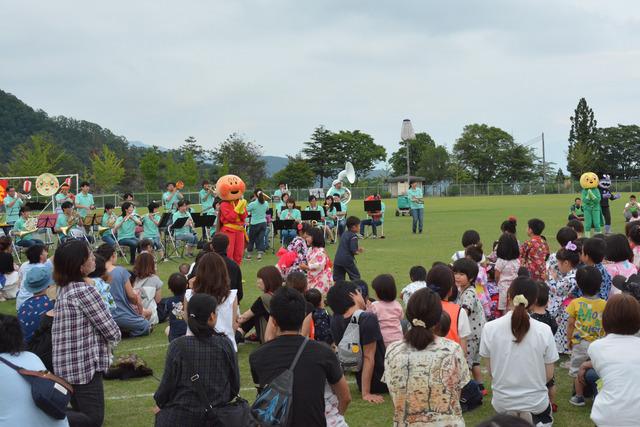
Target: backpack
x,y
470,396
349,349
273,405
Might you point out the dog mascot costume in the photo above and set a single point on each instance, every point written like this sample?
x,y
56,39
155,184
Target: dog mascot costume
x,y
233,212
606,195
591,202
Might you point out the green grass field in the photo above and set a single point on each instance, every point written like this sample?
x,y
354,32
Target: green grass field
x,y
130,402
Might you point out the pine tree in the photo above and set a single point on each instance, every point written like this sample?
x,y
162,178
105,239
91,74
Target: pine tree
x,y
582,155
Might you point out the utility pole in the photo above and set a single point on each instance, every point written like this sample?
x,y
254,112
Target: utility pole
x,y
407,135
544,166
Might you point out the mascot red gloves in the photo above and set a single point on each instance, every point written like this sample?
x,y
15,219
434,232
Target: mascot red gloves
x,y
233,212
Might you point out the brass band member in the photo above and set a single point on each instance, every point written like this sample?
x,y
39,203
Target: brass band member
x,y
24,228
126,229
109,219
171,197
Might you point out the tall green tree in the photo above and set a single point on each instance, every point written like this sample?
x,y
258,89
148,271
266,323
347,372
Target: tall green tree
x,y
36,156
323,155
189,168
418,149
243,157
150,169
297,173
618,151
434,164
107,170
360,149
489,154
583,151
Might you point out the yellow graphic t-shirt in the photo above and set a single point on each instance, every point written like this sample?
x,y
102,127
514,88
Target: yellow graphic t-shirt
x,y
588,315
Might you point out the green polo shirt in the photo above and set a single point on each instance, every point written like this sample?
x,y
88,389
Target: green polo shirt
x,y
417,193
184,230
13,212
84,200
127,230
150,229
258,212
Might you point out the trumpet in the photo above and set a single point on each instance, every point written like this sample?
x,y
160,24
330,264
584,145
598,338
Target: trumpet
x,y
265,195
23,196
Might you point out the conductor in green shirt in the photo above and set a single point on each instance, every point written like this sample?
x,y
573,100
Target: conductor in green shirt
x,y
417,206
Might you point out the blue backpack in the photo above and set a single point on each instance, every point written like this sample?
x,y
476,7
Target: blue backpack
x,y
273,405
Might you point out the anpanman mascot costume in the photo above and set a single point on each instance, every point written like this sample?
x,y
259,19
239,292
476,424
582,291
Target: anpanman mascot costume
x,y
233,212
591,202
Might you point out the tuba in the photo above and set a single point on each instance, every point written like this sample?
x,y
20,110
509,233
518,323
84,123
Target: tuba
x,y
349,174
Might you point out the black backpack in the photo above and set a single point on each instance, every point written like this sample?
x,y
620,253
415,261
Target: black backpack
x,y
470,396
273,405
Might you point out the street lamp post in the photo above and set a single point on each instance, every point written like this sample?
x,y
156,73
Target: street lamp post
x,y
407,135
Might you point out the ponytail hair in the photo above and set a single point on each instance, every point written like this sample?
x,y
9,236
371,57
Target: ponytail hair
x,y
424,311
523,293
259,195
199,310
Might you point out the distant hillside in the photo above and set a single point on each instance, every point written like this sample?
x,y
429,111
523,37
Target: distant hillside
x,y
78,138
274,164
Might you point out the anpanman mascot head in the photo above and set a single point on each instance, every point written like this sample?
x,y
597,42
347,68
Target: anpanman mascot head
x,y
589,180
231,187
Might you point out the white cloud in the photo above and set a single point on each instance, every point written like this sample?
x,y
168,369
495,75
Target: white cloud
x,y
160,71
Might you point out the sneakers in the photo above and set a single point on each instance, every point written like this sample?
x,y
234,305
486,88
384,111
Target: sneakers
x,y
259,257
577,401
248,257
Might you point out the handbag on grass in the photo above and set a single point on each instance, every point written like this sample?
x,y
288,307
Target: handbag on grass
x,y
50,393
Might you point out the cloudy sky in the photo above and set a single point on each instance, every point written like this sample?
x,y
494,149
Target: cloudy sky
x,y
158,71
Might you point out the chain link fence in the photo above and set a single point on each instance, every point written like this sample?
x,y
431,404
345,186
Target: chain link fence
x,y
359,193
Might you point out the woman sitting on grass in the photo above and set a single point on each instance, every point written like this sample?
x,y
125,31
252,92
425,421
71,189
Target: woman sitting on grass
x,y
207,356
426,373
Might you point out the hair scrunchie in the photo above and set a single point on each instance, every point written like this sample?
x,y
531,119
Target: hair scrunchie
x,y
520,300
418,323
570,246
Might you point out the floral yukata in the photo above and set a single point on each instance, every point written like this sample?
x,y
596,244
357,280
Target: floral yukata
x,y
319,275
533,256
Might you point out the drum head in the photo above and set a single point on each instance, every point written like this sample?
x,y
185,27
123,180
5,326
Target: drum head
x,y
47,184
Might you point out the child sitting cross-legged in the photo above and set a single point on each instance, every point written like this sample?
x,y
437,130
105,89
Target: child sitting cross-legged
x,y
540,313
465,273
585,324
388,310
172,307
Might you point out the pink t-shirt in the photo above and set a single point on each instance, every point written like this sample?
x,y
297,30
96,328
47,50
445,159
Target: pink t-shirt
x,y
622,268
389,316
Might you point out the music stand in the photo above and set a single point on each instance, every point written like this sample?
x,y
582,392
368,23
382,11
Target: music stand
x,y
204,222
311,216
179,223
372,206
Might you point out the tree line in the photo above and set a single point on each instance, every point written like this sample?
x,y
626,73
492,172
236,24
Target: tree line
x,y
38,143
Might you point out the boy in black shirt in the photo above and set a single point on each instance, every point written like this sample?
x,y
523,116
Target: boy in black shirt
x,y
540,313
345,262
317,364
